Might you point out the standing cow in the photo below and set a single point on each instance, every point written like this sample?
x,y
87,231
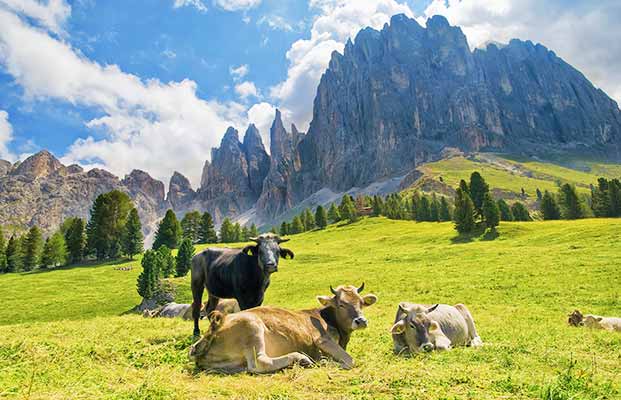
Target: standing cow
x,y
240,274
423,328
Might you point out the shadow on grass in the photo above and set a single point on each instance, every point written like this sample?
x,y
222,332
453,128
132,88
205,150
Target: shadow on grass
x,y
480,233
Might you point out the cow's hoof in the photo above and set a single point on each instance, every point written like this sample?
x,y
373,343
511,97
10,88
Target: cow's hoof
x,y
197,333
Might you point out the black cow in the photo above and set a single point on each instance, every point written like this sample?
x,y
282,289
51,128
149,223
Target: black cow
x,y
241,274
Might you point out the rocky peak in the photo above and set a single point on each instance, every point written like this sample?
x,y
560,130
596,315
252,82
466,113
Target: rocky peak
x,y
141,182
39,165
281,142
257,159
5,167
180,192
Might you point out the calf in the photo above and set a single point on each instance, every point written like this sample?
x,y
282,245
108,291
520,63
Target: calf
x,y
240,274
419,328
268,339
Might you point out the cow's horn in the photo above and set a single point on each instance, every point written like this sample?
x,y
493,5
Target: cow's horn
x,y
279,240
254,239
332,290
361,288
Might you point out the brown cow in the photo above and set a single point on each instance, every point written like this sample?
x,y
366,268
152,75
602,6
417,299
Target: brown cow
x,y
268,339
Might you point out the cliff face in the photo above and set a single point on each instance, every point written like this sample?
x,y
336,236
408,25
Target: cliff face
x,y
398,96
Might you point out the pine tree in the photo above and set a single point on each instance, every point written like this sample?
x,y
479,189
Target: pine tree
x,y
549,208
14,255
570,204
491,213
191,226
227,231
284,229
55,251
478,189
463,185
245,234
184,258
348,210
614,198
309,220
149,277
463,216
132,235
33,249
168,232
296,226
539,194
321,217
75,237
254,232
520,212
166,260
207,231
445,210
3,260
107,221
237,232
600,199
377,206
434,209
423,211
333,214
505,210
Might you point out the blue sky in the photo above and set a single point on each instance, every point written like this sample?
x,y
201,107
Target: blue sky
x,y
153,84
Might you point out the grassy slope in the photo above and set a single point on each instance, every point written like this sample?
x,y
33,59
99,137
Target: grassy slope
x,y
519,287
513,174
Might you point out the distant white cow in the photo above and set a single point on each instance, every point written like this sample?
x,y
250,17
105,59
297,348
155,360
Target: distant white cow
x,y
611,324
176,310
420,327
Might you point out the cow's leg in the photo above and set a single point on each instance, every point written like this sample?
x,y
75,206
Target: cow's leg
x,y
259,362
212,303
197,302
332,349
473,336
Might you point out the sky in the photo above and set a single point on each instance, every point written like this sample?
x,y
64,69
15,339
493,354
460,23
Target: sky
x,y
153,84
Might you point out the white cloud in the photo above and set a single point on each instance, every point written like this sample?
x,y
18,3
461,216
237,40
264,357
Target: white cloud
x,y
155,126
6,136
247,89
337,21
239,72
275,22
198,4
237,5
169,54
581,33
262,115
51,16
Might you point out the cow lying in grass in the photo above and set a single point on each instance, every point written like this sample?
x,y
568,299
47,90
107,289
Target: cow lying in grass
x,y
420,327
175,310
595,321
268,339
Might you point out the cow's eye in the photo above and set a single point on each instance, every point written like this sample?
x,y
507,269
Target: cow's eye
x,y
342,305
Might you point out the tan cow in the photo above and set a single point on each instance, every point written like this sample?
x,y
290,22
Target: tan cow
x,y
420,327
611,324
268,339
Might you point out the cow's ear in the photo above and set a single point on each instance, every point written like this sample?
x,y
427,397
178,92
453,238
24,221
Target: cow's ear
x,y
599,319
250,249
325,300
398,328
433,326
369,299
286,252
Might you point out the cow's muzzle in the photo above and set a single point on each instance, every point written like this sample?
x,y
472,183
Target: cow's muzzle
x,y
360,323
426,347
271,268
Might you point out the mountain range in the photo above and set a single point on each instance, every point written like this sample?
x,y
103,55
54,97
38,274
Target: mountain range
x,y
394,99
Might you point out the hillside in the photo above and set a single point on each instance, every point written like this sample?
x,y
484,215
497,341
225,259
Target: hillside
x,y
63,333
508,175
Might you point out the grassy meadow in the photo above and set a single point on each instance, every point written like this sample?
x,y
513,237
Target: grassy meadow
x,y
66,334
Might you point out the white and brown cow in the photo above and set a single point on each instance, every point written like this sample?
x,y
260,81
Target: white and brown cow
x,y
611,324
184,311
268,339
421,327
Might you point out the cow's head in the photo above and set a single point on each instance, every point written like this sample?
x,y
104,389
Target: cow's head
x,y
415,327
348,304
592,321
267,249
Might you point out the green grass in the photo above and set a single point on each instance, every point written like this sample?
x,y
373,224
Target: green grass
x,y
63,334
511,174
